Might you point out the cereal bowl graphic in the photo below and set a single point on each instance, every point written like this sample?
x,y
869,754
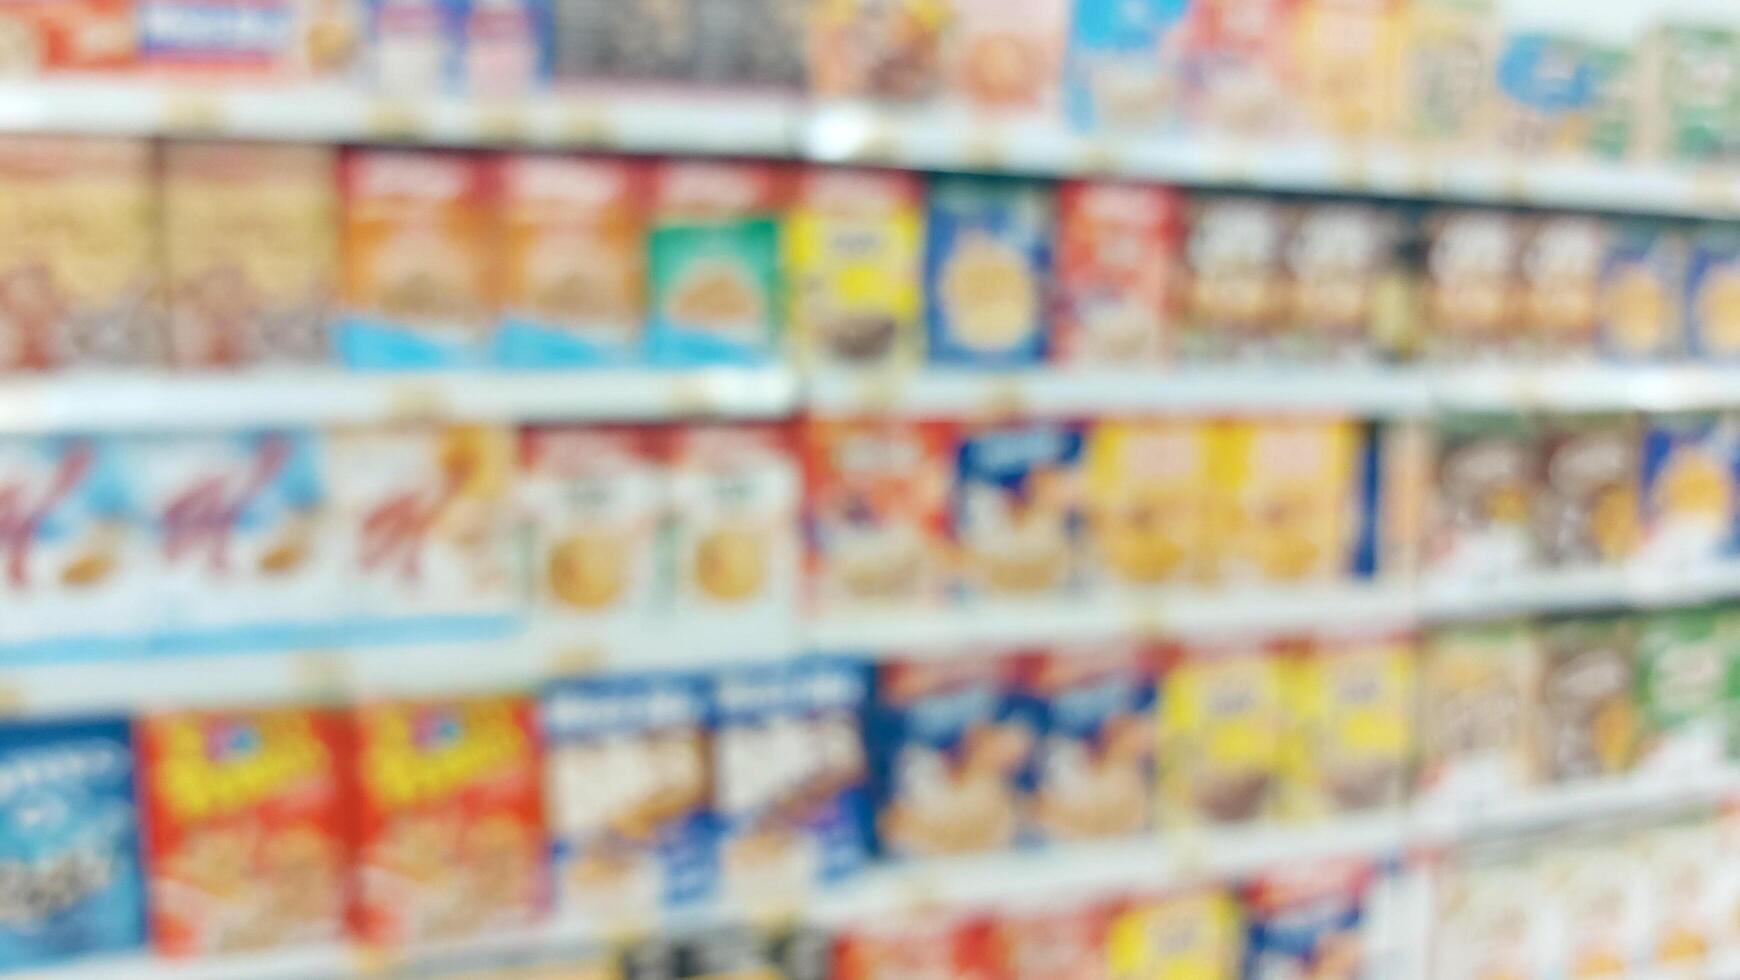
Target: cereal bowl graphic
x,y
1718,308
588,571
989,294
716,295
730,562
961,805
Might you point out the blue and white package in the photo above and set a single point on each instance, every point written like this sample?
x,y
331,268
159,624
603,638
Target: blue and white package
x,y
1094,773
1307,920
1016,510
791,785
627,792
1121,72
70,877
987,271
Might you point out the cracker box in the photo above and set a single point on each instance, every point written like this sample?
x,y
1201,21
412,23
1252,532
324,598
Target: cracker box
x,y
877,497
78,255
1238,287
448,822
1474,286
1149,493
1007,53
244,845
1712,294
853,246
73,556
1308,920
737,498
1483,494
1287,492
420,246
248,37
1694,89
1477,715
1586,505
629,779
251,238
422,521
573,262
1638,303
953,753
791,786
1350,709
1338,260
1688,686
1687,490
46,36
1241,67
1446,69
1123,70
1016,509
627,40
1347,54
1049,942
717,293
1188,936
1588,718
1119,273
592,505
987,276
1561,284
1222,722
947,945
1094,773
68,842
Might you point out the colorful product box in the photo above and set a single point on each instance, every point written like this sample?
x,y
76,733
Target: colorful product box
x,y
1482,495
1046,943
1119,273
853,243
1308,920
1681,895
737,495
1586,509
1238,287
1241,65
1639,304
1348,52
1007,53
1122,70
244,838
489,47
412,46
1094,771
1448,51
627,40
1712,294
448,822
946,945
988,269
1222,726
1477,715
1287,489
1561,284
1588,715
1339,260
254,37
1490,906
1474,285
505,46
1548,83
1695,90
1592,878
46,36
1350,707
420,246
1687,490
877,49
1149,495
1016,509
1188,936
69,829
1688,687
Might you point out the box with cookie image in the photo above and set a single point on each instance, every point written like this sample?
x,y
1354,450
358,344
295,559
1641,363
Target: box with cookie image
x,y
1350,721
1222,724
952,747
987,271
1688,475
736,544
853,243
1639,303
244,837
628,772
1016,515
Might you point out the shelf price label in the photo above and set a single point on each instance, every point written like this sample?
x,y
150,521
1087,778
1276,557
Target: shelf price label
x,y
585,124
193,113
985,149
502,125
579,661
416,402
320,677
1004,398
394,120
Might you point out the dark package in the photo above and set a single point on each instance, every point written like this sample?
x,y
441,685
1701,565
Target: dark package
x,y
1587,500
633,40
1587,717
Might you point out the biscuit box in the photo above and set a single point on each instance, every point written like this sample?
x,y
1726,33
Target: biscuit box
x,y
74,562
1350,707
448,820
1477,715
1688,687
629,780
1222,722
717,291
1448,48
1288,491
573,287
68,842
1007,54
1338,260
1561,294
1347,57
244,842
251,238
1238,287
1119,273
1094,768
853,245
1187,936
47,36
1474,285
736,493
952,745
1712,294
1047,942
1638,305
1308,920
877,496
421,247
1122,70
987,271
1149,493
1016,509
1688,490
78,254
878,49
1588,716
1482,496
791,786
247,37
1586,506
943,945
626,40
1546,92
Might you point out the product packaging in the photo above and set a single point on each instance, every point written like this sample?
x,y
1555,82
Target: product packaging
x,y
1588,714
1222,726
1587,509
1119,287
1482,497
1350,711
1688,490
988,270
1287,492
1094,771
853,245
1016,510
736,494
1477,715
1149,495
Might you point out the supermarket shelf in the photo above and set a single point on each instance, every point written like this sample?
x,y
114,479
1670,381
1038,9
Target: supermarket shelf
x,y
314,963
1581,590
1586,388
1549,808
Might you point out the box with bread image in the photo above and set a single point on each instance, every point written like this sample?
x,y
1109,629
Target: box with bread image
x,y
736,504
1222,730
1094,764
987,271
1016,513
853,243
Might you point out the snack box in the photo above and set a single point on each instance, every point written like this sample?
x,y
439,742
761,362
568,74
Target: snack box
x,y
1308,920
1122,70
1007,54
1049,942
1561,284
495,48
1642,291
448,820
1016,509
1186,936
573,252
69,826
1094,766
1694,89
1483,493
421,245
953,746
1474,284
1119,291
877,49
629,782
1339,261
78,255
736,493
1547,90
1490,902
250,232
1687,490
1222,729
1239,295
1590,877
1680,886
753,43
245,844
294,38
1241,64
717,292
946,945
853,244
877,499
1477,716
790,780
626,40
1588,685
1287,492
987,271
49,36
1447,66
1149,497
1688,687
1347,54
1350,707
1712,294
1587,508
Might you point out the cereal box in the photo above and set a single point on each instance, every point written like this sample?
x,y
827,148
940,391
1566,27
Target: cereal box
x,y
1448,50
1308,921
1474,285
1591,879
78,254
1712,294
274,37
736,493
752,42
877,496
44,36
73,558
1588,722
448,820
853,246
1094,774
1240,65
412,46
936,945
1287,493
1149,494
1616,84
505,46
953,754
790,787
1346,55
987,275
244,843
1561,284
573,262
1680,894
68,842
1007,53
1477,714
1222,723
1546,91
1337,260
1687,489
1049,942
1189,936
420,250
627,39
1483,495
1694,90
1350,708
251,238
1688,685
1119,273
1123,70
422,521
1016,509
1490,906
877,49
1586,509
629,777
1638,302
1238,301
717,293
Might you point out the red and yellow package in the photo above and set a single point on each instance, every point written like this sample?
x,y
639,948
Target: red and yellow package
x,y
1191,936
52,35
1048,943
934,948
1287,493
448,819
1149,498
1118,273
244,842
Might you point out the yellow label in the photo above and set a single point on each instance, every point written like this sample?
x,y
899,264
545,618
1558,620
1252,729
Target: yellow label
x,y
1351,714
197,787
1148,494
416,402
394,120
1284,501
1192,937
585,125
400,773
855,268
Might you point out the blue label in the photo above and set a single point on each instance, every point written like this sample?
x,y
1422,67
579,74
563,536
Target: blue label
x,y
1116,45
522,343
380,345
987,237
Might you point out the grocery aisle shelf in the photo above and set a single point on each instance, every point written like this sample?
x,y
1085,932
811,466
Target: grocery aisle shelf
x,y
313,963
1545,808
1581,590
1586,388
